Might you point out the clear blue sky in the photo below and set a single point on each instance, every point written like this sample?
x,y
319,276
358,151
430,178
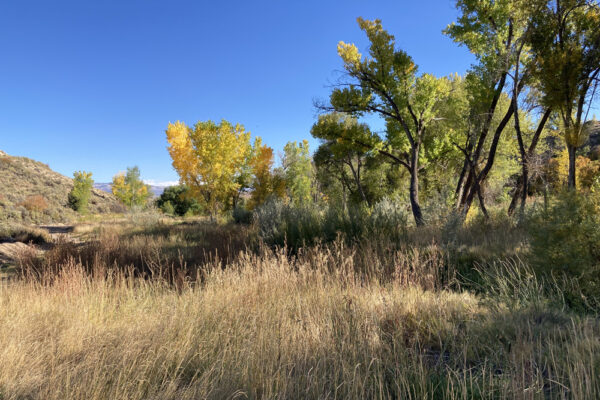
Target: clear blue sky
x,y
91,85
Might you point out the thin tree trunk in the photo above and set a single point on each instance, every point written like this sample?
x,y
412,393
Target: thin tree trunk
x,y
572,156
414,187
516,196
525,158
482,204
460,186
478,180
474,160
356,174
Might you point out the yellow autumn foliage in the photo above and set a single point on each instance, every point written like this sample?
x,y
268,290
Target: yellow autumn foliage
x,y
208,158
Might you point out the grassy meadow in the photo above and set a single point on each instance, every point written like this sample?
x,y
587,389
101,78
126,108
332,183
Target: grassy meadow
x,y
437,238
152,308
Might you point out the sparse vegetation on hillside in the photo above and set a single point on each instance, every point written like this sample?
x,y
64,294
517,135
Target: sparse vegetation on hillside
x,y
32,193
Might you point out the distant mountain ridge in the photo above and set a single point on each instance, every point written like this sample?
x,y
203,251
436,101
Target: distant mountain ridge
x,y
156,189
31,192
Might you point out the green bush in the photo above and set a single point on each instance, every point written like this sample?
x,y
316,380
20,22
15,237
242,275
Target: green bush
x,y
282,224
242,216
176,200
565,244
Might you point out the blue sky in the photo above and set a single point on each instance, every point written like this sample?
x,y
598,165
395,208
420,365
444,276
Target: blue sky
x,y
91,85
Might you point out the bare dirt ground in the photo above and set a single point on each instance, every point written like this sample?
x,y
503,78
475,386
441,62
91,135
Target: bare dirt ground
x,y
10,250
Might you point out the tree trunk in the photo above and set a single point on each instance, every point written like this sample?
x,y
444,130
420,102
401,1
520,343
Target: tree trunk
x,y
522,187
482,203
516,196
356,175
478,179
414,187
525,188
572,155
460,186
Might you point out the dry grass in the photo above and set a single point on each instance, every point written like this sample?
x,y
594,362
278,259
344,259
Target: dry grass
x,y
265,325
153,309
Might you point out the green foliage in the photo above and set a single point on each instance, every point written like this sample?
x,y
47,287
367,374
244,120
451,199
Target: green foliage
x,y
241,215
342,155
385,83
565,244
281,224
177,200
130,189
79,196
299,172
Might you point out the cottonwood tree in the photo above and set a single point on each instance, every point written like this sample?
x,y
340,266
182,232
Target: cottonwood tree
x,y
79,196
565,42
498,33
209,158
264,183
344,147
385,83
299,172
130,189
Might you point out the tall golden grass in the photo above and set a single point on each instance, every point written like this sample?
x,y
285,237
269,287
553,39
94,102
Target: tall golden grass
x,y
267,326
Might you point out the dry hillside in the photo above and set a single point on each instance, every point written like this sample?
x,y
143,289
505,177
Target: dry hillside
x,y
30,192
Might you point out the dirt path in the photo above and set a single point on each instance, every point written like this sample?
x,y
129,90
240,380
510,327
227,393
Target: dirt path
x,y
10,250
56,232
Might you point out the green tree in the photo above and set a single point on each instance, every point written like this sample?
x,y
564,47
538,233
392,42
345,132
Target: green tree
x,y
130,189
498,33
566,45
386,84
79,196
299,173
345,159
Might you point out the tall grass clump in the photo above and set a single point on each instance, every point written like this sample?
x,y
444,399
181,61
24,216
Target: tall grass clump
x,y
147,248
268,326
295,226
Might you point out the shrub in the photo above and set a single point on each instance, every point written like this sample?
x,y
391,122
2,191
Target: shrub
x,y
79,196
176,200
35,203
282,224
565,243
242,215
167,208
388,218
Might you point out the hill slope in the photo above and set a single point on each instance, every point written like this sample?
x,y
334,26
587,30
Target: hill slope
x,y
30,192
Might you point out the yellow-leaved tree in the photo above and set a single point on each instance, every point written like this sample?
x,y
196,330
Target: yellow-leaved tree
x,y
263,183
209,158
